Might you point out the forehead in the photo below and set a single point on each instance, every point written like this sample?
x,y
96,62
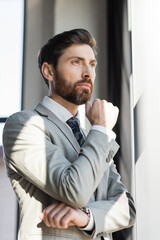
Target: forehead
x,y
79,50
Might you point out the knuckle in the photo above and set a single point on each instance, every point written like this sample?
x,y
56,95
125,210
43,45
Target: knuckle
x,y
63,223
104,102
71,210
51,216
97,100
56,218
68,208
62,204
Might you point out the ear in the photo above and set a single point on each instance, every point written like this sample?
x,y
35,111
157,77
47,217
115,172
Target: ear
x,y
47,71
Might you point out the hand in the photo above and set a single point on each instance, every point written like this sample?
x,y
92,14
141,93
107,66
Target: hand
x,y
102,113
60,215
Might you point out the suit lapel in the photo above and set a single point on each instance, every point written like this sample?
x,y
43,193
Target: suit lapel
x,y
42,110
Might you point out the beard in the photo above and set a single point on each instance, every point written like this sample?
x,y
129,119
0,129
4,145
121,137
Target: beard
x,y
71,92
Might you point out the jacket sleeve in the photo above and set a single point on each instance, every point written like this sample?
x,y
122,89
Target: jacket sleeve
x,y
29,152
117,211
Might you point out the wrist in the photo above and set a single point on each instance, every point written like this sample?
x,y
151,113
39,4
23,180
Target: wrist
x,y
104,130
87,212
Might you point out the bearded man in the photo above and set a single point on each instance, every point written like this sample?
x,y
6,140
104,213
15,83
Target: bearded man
x,y
64,177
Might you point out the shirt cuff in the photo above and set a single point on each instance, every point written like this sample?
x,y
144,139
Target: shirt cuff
x,y
104,130
90,225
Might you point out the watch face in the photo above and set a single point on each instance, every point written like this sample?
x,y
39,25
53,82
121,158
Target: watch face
x,y
86,210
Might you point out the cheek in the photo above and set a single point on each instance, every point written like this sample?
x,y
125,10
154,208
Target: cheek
x,y
70,73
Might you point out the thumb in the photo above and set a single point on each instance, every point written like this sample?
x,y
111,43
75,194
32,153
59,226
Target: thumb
x,y
41,216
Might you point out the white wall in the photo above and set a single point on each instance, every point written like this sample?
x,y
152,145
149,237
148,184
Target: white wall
x,y
146,86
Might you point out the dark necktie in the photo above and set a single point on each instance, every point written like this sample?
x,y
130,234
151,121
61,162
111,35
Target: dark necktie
x,y
73,122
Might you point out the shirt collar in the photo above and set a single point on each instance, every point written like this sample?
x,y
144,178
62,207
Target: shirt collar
x,y
61,112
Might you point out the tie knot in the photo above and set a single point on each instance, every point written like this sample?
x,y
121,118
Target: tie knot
x,y
73,122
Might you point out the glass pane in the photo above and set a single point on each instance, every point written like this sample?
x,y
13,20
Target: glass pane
x,y
11,52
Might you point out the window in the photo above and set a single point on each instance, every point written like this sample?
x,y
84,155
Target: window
x,y
11,58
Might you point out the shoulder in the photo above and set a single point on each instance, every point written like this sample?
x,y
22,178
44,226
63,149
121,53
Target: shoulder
x,y
24,126
23,118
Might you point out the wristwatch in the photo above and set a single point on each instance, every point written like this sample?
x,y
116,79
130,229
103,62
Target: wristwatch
x,y
87,211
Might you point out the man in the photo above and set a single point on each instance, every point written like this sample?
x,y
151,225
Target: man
x,y
65,179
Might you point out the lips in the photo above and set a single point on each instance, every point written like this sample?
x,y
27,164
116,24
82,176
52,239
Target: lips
x,y
87,85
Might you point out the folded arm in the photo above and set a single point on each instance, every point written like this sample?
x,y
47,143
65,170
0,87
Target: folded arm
x,y
60,215
112,214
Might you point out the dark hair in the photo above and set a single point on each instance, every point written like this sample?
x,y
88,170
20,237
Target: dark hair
x,y
55,47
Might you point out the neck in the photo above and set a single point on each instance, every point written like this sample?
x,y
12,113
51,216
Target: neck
x,y
71,107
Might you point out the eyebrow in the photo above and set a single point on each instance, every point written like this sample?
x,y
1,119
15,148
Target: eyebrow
x,y
82,59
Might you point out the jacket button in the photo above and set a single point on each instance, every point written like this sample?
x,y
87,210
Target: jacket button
x,y
110,155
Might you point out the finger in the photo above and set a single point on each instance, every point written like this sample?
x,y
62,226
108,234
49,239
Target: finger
x,y
58,217
53,215
87,107
67,219
41,216
52,206
47,211
97,107
45,219
96,102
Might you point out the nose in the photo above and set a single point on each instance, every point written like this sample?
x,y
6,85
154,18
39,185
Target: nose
x,y
87,73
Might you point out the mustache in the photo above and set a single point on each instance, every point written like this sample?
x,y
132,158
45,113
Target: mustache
x,y
85,80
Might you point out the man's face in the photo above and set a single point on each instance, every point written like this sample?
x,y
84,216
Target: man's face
x,y
75,74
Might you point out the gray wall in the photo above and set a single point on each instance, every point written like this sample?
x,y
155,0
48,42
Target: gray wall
x,y
38,29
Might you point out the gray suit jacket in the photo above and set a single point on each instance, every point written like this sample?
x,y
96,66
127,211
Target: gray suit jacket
x,y
45,163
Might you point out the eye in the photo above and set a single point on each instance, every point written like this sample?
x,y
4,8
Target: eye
x,y
75,62
93,65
